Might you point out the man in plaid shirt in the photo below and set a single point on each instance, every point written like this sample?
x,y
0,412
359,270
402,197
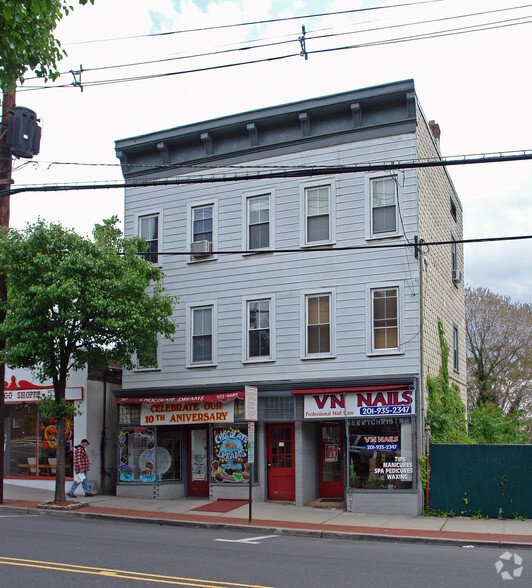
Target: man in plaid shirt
x,y
81,467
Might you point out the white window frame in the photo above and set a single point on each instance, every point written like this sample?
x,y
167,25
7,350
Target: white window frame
x,y
329,183
245,329
304,296
189,332
160,242
368,187
370,289
190,208
155,368
246,197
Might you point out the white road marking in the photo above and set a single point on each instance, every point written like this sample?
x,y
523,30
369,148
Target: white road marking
x,y
249,540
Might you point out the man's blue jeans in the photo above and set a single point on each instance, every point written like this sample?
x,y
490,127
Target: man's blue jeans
x,y
84,485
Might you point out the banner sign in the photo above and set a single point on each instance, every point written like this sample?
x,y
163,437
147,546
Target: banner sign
x,y
252,403
30,396
180,412
343,405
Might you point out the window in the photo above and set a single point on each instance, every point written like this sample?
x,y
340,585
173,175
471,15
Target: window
x,y
453,209
258,222
456,361
150,363
259,321
385,320
454,260
149,231
202,224
383,194
201,335
318,324
230,455
201,230
381,454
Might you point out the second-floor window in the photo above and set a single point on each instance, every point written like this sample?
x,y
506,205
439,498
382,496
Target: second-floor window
x,y
383,206
149,231
318,324
385,319
456,359
318,214
152,362
259,329
202,335
258,222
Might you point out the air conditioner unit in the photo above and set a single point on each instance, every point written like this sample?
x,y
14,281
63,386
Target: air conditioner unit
x,y
199,248
457,276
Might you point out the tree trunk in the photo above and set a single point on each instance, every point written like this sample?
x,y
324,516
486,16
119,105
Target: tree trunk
x,y
59,390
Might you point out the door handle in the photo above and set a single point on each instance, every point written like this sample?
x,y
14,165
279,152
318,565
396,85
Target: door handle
x,y
269,465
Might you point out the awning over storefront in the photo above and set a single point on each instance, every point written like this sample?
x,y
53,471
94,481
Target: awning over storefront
x,y
221,397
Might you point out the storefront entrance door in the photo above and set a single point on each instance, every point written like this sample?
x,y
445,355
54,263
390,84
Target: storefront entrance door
x,y
281,477
330,462
198,471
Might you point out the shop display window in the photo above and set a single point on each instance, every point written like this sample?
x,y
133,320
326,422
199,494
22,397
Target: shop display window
x,y
230,455
380,454
147,455
31,443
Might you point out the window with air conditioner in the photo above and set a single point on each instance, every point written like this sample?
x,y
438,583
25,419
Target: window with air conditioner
x,y
202,230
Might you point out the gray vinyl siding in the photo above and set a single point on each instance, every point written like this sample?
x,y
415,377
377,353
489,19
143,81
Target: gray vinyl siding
x,y
229,278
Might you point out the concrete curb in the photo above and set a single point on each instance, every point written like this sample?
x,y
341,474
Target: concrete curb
x,y
274,529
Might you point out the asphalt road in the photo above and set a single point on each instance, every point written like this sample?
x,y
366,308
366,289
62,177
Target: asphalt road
x,y
68,551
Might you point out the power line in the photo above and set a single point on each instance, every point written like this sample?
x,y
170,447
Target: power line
x,y
294,173
500,155
309,37
335,249
258,22
417,37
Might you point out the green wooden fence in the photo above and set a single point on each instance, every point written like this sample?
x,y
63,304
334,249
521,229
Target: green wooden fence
x,y
488,480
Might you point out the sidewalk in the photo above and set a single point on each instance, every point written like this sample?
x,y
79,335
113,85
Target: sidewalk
x,y
276,518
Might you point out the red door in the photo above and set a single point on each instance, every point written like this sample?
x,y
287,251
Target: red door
x,y
198,453
281,477
330,461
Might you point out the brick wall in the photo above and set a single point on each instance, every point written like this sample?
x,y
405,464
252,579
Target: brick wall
x,y
441,297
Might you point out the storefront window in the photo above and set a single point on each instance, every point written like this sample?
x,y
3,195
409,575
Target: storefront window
x,y
230,455
380,454
147,457
31,443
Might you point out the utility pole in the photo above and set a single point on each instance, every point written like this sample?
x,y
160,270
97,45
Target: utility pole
x,y
8,104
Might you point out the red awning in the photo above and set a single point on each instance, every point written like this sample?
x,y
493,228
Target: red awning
x,y
198,398
357,389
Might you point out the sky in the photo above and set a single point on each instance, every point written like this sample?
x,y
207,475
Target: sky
x,y
475,85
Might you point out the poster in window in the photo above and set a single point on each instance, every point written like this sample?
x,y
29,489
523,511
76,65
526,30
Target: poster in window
x,y
230,455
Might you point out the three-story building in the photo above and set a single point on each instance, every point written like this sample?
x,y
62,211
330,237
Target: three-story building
x,y
305,281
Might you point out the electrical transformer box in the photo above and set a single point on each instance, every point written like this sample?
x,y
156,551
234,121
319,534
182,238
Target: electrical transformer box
x,y
24,133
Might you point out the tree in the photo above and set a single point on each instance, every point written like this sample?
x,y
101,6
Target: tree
x,y
73,301
499,349
489,424
27,40
445,410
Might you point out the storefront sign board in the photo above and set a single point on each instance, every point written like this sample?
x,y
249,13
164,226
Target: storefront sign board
x,y
359,404
252,403
184,413
32,395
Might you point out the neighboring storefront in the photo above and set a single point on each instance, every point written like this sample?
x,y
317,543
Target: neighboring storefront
x,y
30,443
